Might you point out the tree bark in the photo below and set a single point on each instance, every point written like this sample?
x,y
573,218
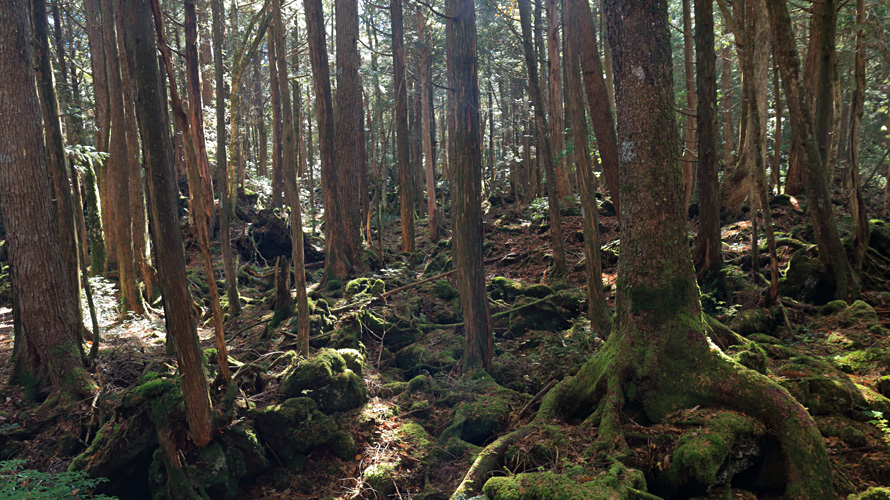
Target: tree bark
x,y
597,311
557,122
47,355
559,256
150,111
831,251
689,128
598,99
337,265
406,178
857,204
428,134
467,200
726,107
275,92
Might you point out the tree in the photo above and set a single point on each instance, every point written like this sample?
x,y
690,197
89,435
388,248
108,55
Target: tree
x,y
708,254
467,200
659,354
336,265
155,136
400,87
556,121
428,156
47,353
831,251
547,155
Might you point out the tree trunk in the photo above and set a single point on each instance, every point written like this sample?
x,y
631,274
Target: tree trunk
x,y
196,114
708,254
275,92
406,179
776,179
118,185
857,205
831,251
726,107
557,123
467,200
47,356
337,265
597,311
93,15
225,205
291,189
824,111
428,134
689,128
56,159
598,98
559,256
165,222
349,130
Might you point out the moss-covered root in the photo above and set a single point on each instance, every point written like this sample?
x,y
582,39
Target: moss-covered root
x,y
486,462
744,390
610,438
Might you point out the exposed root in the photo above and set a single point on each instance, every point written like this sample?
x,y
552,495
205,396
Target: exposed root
x,y
487,461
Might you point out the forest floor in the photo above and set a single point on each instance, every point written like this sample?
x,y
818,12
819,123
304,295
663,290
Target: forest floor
x,y
423,424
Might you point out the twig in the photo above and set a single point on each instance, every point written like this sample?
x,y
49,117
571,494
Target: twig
x,y
535,399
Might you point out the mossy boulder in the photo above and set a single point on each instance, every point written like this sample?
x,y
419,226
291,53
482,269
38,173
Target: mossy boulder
x,y
381,477
444,290
364,286
295,427
859,313
505,289
879,237
477,420
440,263
535,314
751,321
551,486
864,361
806,280
873,493
325,378
717,447
354,359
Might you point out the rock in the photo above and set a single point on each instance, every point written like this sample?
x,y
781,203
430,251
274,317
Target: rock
x,y
365,287
550,486
859,313
536,315
873,493
327,380
355,361
380,476
751,321
823,395
294,428
444,290
806,280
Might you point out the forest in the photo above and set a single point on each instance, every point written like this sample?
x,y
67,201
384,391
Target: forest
x,y
445,249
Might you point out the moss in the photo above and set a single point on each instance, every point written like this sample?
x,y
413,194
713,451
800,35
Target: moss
x,y
414,435
392,389
294,427
354,359
444,290
365,287
761,338
440,263
824,395
550,486
536,315
873,493
343,445
381,477
859,313
865,361
833,307
420,382
883,385
806,280
751,321
326,379
333,285
853,437
706,454
505,289
754,357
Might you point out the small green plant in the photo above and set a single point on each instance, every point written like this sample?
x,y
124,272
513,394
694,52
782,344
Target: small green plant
x,y
17,483
537,209
880,423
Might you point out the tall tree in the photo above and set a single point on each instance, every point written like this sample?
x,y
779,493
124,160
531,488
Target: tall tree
x,y
708,254
225,207
349,128
428,156
598,98
118,184
400,87
857,204
689,129
597,311
292,193
337,265
554,104
831,251
47,352
467,200
547,155
157,143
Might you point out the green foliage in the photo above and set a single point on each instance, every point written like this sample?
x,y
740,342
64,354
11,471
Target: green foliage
x,y
878,420
18,483
84,155
537,209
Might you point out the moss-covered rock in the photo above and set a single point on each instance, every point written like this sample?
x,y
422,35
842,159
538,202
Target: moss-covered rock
x,y
381,477
873,493
859,313
806,280
833,307
505,289
293,428
354,359
326,379
364,286
440,263
551,486
444,290
824,395
751,321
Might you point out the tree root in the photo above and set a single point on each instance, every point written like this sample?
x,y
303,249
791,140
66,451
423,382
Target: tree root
x,y
701,377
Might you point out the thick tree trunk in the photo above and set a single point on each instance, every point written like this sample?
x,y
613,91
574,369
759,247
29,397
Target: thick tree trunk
x,y
196,114
467,200
400,86
118,185
349,129
597,311
428,134
831,251
708,254
275,92
546,154
155,135
824,109
857,205
689,127
337,265
47,355
726,107
598,98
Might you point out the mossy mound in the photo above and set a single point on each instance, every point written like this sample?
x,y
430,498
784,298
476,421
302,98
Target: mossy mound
x,y
551,486
485,415
440,263
873,493
806,280
865,361
368,287
859,313
417,358
717,447
381,477
535,314
824,395
297,426
325,378
508,290
751,321
444,290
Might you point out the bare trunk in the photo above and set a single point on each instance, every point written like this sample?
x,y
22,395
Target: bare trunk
x,y
406,178
557,123
429,166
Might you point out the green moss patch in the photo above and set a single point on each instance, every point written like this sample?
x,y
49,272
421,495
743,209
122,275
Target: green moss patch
x,y
326,379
